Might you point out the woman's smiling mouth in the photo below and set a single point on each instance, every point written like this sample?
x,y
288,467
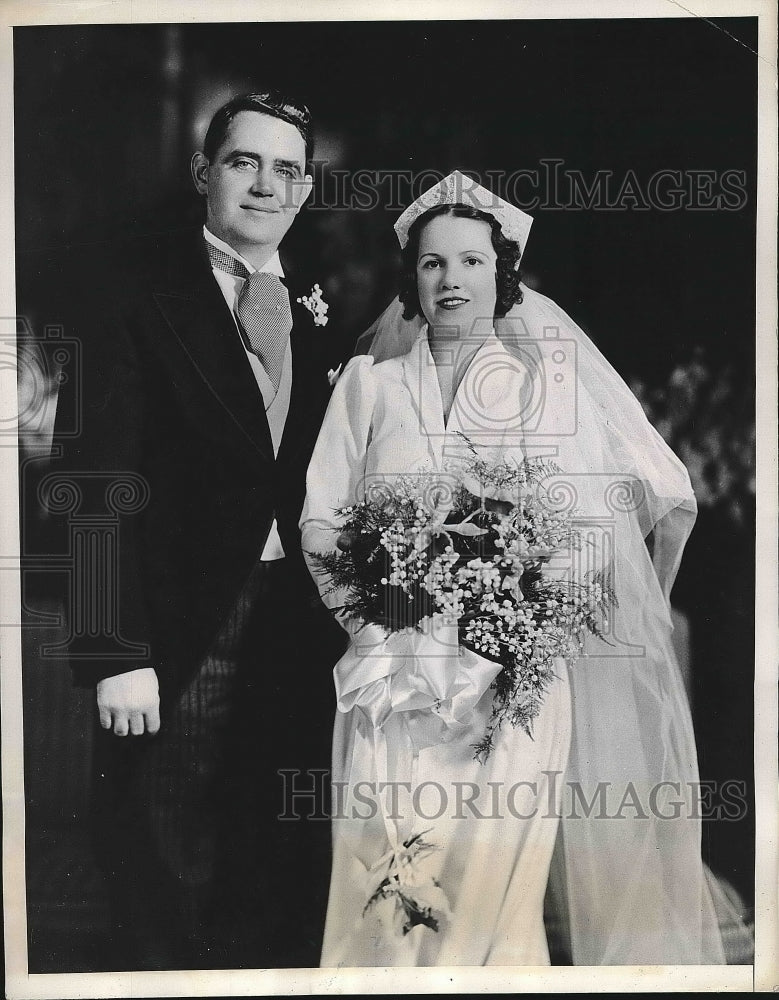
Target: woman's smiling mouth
x,y
452,302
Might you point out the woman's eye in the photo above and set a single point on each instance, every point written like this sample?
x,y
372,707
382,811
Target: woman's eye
x,y
473,260
430,264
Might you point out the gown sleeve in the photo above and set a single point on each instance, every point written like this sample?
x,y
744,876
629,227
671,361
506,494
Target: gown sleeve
x,y
335,473
418,681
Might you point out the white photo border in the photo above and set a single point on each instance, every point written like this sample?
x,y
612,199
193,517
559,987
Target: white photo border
x,y
764,976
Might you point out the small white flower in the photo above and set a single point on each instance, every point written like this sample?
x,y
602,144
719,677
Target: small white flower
x,y
334,374
316,305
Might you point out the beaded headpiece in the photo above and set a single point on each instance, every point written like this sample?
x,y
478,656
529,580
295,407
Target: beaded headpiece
x,y
459,189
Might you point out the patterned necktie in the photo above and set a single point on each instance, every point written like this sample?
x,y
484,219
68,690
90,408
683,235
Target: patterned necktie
x,y
263,310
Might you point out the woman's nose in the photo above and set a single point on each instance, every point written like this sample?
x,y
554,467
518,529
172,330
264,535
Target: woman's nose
x,y
450,278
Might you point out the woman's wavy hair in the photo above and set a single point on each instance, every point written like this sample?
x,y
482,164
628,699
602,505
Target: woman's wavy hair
x,y
507,277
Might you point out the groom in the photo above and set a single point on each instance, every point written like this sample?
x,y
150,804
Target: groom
x,y
205,379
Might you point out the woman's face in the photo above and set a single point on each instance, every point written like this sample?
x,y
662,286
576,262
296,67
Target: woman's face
x,y
456,272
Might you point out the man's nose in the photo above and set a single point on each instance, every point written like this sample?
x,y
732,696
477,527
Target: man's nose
x,y
262,186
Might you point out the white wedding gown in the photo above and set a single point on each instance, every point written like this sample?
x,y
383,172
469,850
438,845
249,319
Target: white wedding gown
x,y
410,707
627,883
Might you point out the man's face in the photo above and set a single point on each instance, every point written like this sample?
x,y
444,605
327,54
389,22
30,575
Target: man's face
x,y
255,184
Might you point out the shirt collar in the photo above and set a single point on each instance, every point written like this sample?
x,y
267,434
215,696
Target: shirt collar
x,y
272,266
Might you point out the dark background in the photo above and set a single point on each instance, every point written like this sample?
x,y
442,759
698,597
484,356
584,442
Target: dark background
x,y
107,118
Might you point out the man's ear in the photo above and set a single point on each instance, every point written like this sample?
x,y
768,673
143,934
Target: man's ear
x,y
306,186
199,168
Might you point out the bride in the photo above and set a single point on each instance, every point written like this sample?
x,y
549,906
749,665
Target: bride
x,y
597,811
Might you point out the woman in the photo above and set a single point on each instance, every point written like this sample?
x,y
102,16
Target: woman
x,y
598,805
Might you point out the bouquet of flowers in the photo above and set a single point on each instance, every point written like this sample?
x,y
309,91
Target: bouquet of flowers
x,y
476,548
418,900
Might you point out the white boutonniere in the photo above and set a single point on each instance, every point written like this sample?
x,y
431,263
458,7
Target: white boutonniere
x,y
316,305
333,375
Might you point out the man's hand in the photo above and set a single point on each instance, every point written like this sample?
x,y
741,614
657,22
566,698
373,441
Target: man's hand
x,y
130,702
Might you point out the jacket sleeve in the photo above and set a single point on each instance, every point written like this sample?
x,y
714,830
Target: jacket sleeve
x,y
97,484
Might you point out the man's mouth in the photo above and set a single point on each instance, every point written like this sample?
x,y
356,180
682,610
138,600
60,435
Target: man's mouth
x,y
452,302
260,208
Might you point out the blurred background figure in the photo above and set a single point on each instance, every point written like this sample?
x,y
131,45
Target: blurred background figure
x,y
106,118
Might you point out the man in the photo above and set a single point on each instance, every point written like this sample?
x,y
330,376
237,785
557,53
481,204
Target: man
x,y
205,378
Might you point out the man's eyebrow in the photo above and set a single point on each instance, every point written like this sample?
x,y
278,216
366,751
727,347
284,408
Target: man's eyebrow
x,y
237,154
292,164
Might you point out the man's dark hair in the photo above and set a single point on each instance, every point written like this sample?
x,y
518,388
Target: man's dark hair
x,y
507,277
267,102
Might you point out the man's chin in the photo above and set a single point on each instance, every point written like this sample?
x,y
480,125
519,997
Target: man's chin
x,y
263,232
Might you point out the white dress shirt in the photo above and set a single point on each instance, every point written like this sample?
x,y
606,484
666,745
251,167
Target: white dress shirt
x,y
276,403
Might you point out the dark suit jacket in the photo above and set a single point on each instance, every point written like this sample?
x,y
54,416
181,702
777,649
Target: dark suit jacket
x,y
167,395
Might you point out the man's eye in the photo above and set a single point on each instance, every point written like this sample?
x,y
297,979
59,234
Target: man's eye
x,y
243,164
285,171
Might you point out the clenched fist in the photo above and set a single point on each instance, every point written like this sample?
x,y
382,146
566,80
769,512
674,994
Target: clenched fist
x,y
130,702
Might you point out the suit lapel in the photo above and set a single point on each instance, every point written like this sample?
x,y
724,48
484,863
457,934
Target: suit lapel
x,y
307,382
197,315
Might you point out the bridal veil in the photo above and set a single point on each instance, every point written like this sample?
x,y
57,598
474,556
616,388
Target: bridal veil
x,y
627,880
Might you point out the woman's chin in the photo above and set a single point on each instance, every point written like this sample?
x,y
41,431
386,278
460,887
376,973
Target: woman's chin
x,y
460,319
461,323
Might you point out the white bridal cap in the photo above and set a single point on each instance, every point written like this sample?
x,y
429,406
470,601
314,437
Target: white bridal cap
x,y
458,189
